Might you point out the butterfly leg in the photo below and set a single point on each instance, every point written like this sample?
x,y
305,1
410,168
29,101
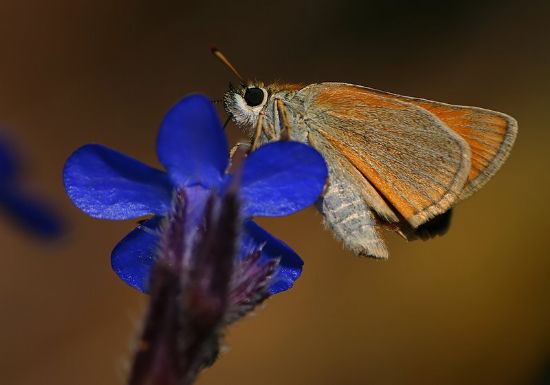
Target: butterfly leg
x,y
262,128
237,148
283,119
237,154
258,132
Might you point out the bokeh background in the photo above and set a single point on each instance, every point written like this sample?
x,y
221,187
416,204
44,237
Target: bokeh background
x,y
468,308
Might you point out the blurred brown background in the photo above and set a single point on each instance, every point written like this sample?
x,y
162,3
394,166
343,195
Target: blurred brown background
x,y
468,308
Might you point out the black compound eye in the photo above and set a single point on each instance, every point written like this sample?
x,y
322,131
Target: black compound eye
x,y
254,96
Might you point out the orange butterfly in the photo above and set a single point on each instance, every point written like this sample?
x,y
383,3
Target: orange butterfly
x,y
394,161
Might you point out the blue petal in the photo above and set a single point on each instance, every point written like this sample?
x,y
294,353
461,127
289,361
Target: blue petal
x,y
191,143
290,265
107,184
197,198
281,178
9,161
134,256
32,214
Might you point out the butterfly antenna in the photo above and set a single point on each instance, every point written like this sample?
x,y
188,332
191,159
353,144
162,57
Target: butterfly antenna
x,y
221,57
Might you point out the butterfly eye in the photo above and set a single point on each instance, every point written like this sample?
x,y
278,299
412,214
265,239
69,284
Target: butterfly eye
x,y
254,96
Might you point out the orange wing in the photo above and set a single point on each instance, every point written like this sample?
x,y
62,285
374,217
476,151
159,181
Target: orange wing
x,y
489,134
409,155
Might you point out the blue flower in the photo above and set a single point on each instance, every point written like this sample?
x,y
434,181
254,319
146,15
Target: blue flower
x,y
276,180
30,212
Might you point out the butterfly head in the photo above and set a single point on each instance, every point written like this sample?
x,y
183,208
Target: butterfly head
x,y
245,103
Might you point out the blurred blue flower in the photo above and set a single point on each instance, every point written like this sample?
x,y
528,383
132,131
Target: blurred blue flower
x,y
30,212
276,180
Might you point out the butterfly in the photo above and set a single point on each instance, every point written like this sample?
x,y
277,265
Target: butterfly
x,y
395,162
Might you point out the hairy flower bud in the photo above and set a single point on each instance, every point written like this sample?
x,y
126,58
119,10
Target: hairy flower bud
x,y
197,287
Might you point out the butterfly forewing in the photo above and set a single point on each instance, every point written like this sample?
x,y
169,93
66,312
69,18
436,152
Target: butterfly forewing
x,y
409,155
489,134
